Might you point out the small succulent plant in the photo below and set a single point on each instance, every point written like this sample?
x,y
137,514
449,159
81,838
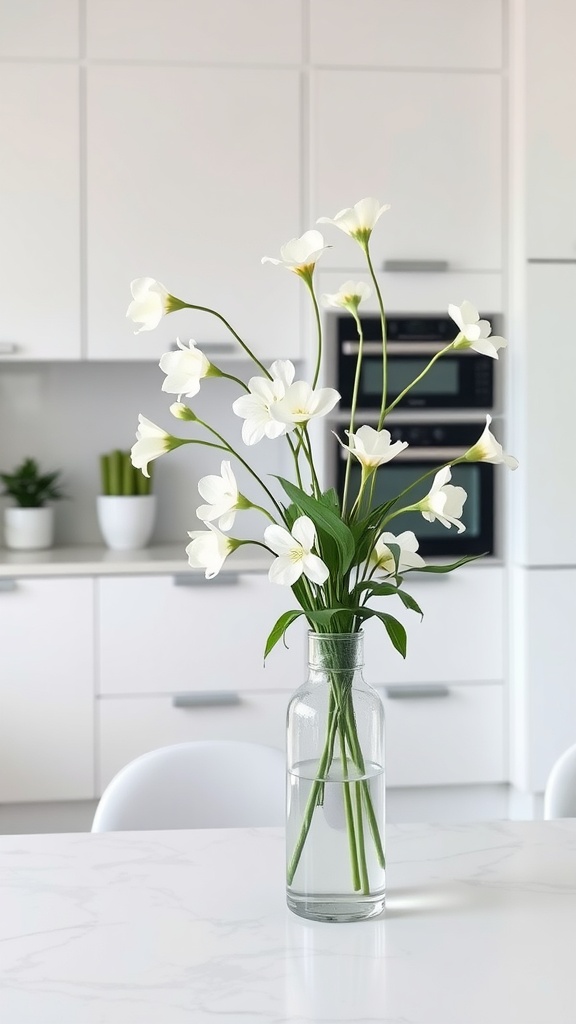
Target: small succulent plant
x,y
120,477
29,487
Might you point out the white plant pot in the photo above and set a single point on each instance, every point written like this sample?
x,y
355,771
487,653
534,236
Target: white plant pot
x,y
126,521
29,529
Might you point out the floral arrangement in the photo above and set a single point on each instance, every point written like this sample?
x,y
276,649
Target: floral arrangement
x,y
336,553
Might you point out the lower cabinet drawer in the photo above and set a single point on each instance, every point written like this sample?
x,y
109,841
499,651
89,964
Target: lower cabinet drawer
x,y
444,735
130,726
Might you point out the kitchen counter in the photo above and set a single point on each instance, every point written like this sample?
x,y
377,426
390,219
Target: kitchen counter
x,y
192,927
97,560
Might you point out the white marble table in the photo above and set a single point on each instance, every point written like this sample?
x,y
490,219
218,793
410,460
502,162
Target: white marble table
x,y
170,927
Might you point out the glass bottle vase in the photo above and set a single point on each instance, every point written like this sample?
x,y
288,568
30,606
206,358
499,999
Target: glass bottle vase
x,y
335,786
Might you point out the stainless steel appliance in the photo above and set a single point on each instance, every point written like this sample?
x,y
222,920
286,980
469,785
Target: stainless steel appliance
x,y
430,444
461,379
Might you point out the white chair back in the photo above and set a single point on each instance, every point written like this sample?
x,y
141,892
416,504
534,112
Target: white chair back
x,y
205,784
560,793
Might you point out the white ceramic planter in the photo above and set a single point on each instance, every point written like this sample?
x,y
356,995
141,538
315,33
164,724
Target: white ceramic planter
x,y
29,529
126,521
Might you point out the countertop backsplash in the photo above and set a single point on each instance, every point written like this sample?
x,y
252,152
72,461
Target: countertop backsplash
x,y
67,414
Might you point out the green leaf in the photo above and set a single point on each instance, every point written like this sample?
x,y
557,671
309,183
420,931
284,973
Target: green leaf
x,y
280,627
389,590
448,568
331,500
395,629
326,521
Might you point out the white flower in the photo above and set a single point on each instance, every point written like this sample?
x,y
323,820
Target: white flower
x,y
383,558
294,552
302,403
264,393
150,301
300,254
359,220
372,447
444,502
222,494
349,296
209,550
474,332
488,449
151,443
184,369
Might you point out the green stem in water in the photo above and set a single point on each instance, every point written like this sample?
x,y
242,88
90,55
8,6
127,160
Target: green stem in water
x,y
353,842
360,840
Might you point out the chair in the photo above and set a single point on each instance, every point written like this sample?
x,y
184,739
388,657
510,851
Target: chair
x,y
205,784
560,793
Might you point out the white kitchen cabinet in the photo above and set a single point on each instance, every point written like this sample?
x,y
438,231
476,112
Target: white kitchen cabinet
x,y
130,726
543,489
445,735
39,212
185,634
450,33
550,142
222,31
193,174
46,690
427,143
543,685
460,638
31,28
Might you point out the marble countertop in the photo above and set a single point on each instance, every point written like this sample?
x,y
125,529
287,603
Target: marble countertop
x,y
89,560
192,926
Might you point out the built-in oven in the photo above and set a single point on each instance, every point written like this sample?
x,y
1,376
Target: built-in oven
x,y
430,445
461,379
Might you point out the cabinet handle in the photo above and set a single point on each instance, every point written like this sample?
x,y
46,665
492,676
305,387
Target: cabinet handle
x,y
216,348
196,579
205,699
415,266
7,584
8,348
415,691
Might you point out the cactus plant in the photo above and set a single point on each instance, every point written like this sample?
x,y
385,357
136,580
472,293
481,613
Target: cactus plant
x,y
120,477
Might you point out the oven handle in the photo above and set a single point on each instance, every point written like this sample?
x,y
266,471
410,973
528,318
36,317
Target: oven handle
x,y
399,348
427,454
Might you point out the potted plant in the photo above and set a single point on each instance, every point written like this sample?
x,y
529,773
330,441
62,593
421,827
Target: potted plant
x,y
29,524
126,507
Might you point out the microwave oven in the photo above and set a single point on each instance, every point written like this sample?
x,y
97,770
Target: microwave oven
x,y
461,379
430,445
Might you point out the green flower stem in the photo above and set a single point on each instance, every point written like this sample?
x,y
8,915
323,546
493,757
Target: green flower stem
x,y
310,284
373,823
294,449
365,885
228,447
356,386
250,504
230,376
353,841
384,334
307,448
214,312
418,378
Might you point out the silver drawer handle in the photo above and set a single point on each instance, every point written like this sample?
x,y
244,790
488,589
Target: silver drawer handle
x,y
415,266
196,579
205,699
415,692
7,348
7,584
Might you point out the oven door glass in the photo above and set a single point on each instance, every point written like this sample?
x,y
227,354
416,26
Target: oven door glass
x,y
455,381
435,540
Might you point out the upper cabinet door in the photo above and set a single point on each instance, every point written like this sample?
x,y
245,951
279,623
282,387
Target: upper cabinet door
x,y
39,212
381,33
550,154
427,143
29,28
193,176
213,32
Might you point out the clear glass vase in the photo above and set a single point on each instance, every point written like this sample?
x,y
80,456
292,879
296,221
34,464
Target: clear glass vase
x,y
335,786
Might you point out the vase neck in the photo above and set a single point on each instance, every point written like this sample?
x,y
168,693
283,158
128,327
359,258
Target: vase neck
x,y
336,652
